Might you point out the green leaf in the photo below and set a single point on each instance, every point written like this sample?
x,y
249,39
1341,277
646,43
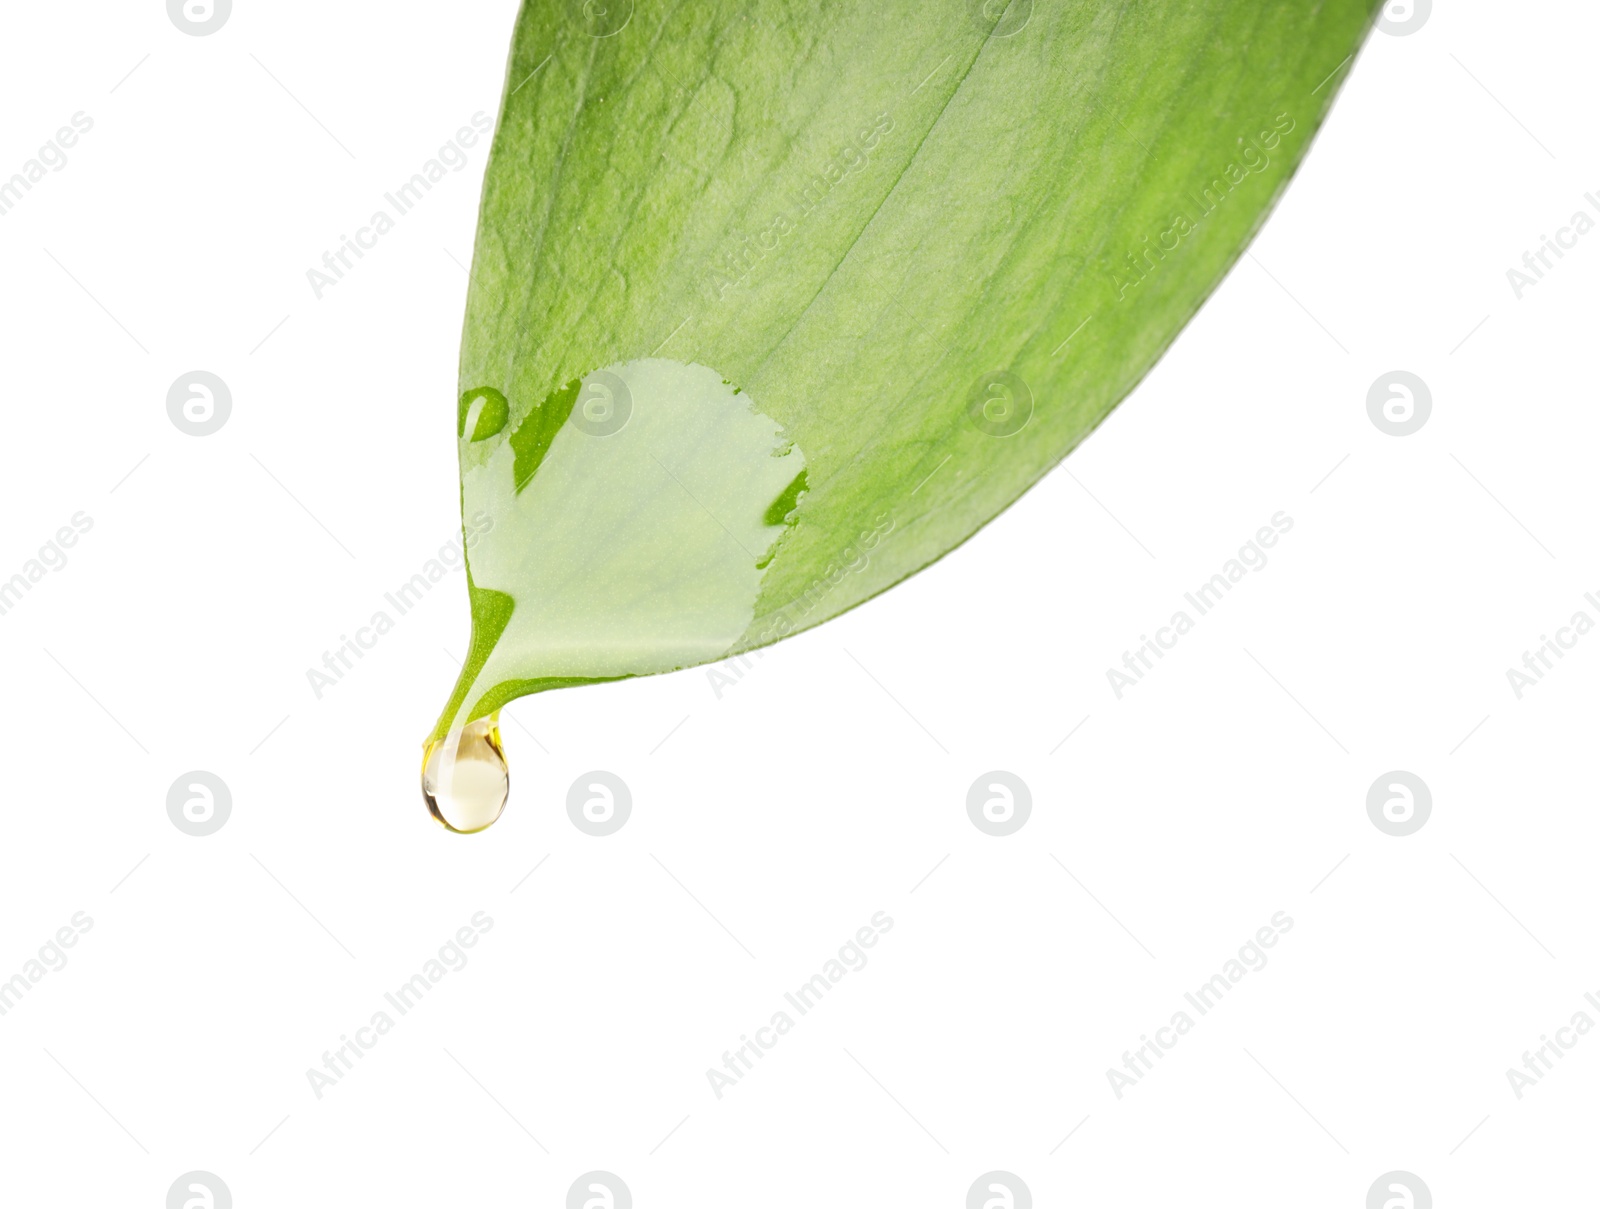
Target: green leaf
x,y
775,303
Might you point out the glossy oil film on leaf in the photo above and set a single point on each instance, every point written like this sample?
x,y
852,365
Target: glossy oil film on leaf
x,y
775,303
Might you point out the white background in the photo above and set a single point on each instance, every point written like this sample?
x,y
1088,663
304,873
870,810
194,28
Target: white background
x,y
769,824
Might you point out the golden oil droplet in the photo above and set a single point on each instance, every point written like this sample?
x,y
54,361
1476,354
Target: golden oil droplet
x,y
464,776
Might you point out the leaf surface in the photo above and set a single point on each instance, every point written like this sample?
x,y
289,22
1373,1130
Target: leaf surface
x,y
774,303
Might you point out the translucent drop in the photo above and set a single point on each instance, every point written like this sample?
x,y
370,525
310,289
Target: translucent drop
x,y
622,526
464,776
